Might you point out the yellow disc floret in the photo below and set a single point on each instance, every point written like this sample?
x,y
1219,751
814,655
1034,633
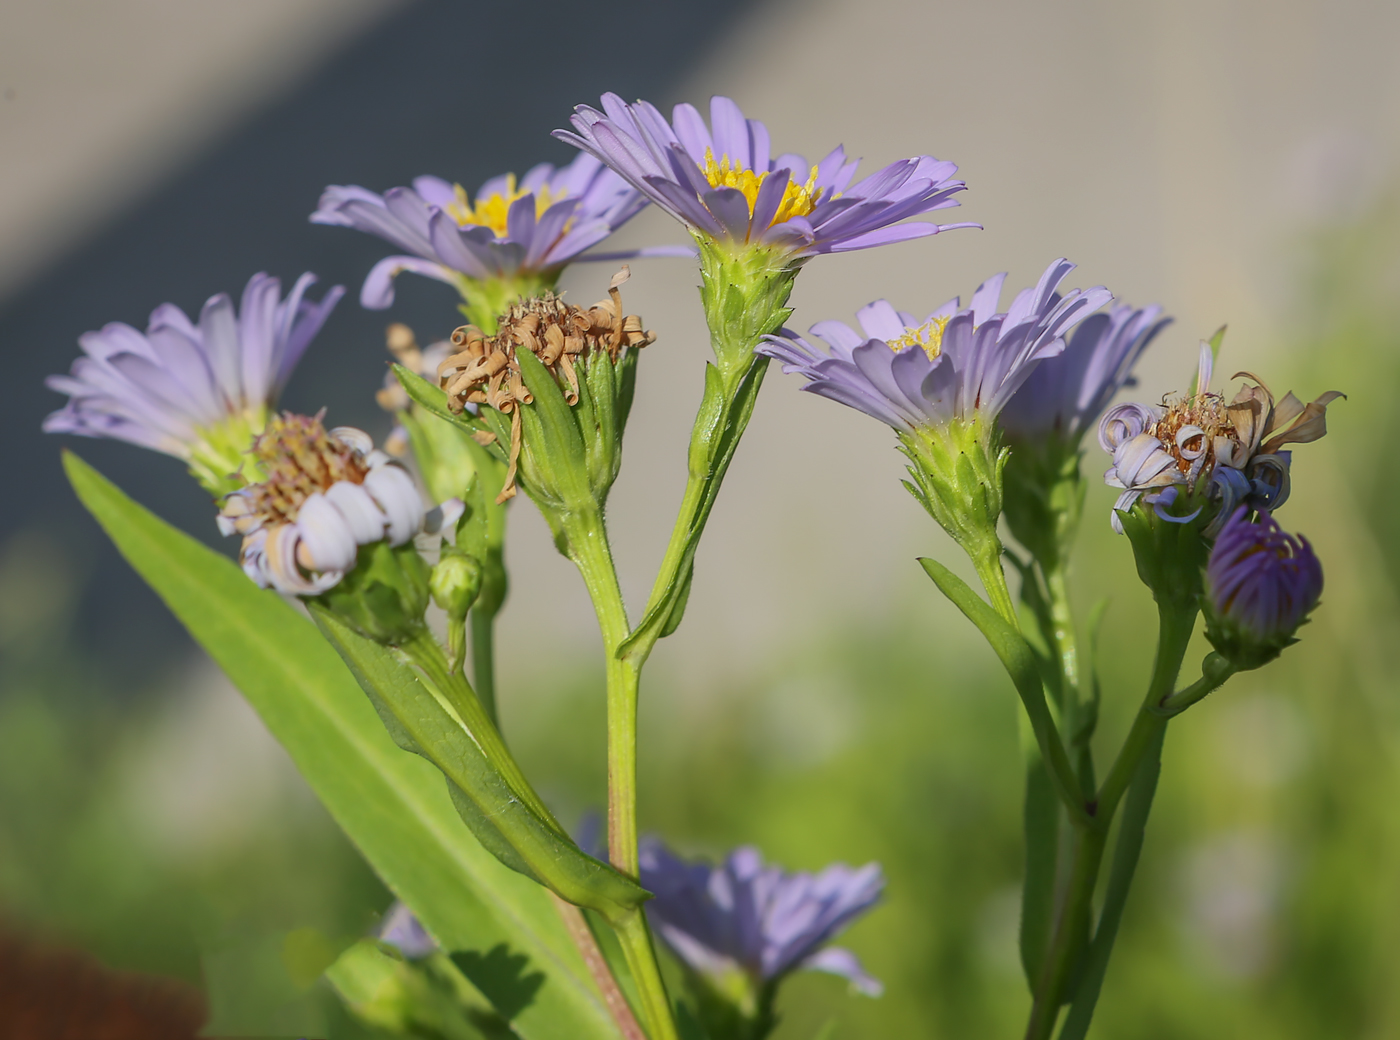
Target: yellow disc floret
x,y
798,199
492,210
929,335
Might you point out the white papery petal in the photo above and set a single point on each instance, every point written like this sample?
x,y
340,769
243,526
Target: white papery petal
x,y
253,558
327,539
354,439
365,518
396,494
281,546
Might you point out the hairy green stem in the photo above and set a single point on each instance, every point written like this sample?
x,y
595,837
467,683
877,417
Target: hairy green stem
x,y
589,549
484,661
637,948
1071,935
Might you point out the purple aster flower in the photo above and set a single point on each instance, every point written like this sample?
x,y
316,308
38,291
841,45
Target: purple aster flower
x,y
757,919
1066,394
1261,585
198,392
402,930
512,231
954,364
723,183
326,494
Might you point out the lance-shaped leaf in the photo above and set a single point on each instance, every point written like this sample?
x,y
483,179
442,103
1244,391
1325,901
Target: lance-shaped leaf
x,y
487,788
1019,662
510,939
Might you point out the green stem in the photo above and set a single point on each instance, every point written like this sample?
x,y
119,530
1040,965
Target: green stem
x,y
1071,932
423,650
1137,805
484,661
1032,692
589,549
1215,670
1062,636
1072,928
640,954
1174,633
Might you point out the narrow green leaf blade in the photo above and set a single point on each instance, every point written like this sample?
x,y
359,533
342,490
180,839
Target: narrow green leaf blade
x,y
393,805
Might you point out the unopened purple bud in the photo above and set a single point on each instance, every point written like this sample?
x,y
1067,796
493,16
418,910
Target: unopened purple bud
x,y
1261,584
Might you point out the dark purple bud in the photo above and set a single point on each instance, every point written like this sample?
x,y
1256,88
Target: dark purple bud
x,y
1261,584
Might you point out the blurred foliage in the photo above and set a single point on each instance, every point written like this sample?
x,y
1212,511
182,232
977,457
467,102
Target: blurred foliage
x,y
1266,903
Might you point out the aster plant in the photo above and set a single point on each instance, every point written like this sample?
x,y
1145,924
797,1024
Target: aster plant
x,y
358,616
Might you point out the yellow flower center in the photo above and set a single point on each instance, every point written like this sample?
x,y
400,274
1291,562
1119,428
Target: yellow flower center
x,y
798,199
492,210
929,335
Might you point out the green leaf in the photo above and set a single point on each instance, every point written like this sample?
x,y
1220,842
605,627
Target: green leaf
x,y
498,812
393,805
1020,663
425,998
1041,822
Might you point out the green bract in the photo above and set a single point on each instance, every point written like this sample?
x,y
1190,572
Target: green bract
x,y
957,476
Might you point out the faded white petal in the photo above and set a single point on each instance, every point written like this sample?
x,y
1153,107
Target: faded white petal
x,y
361,513
396,494
327,540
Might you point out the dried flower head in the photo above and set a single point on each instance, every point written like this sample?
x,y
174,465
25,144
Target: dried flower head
x,y
326,494
486,369
1160,450
402,344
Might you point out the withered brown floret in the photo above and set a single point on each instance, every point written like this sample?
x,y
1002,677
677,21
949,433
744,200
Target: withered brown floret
x,y
485,370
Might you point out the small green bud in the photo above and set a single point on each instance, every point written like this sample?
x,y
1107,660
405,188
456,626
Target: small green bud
x,y
455,583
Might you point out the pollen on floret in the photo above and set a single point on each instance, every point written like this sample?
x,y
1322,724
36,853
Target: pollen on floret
x,y
300,459
493,210
798,199
1189,429
929,336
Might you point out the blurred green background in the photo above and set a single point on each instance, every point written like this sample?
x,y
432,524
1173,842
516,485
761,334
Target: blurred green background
x,y
1266,904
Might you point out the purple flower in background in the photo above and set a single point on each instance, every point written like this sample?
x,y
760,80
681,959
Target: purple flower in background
x,y
1261,585
533,227
402,930
723,184
198,392
952,365
1065,395
758,919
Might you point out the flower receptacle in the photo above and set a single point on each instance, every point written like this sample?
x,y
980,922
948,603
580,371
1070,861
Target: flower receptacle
x,y
957,469
386,596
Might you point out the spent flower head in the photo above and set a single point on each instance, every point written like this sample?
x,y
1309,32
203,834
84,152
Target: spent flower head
x,y
723,183
486,370
1200,442
514,238
198,391
1261,584
743,925
327,493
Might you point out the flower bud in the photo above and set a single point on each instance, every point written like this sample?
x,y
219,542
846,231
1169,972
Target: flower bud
x,y
455,584
1261,584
